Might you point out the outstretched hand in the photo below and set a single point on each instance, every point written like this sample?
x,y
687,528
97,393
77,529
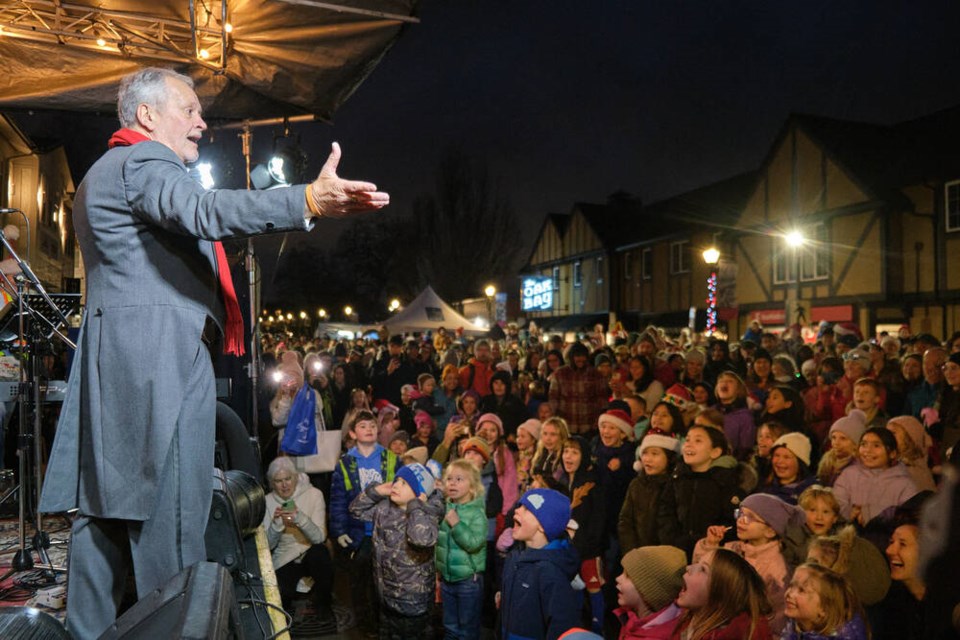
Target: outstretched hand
x,y
334,197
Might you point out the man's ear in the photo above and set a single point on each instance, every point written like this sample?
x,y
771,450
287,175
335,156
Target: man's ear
x,y
146,116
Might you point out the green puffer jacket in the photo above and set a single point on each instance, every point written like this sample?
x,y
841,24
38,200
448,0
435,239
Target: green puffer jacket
x,y
462,550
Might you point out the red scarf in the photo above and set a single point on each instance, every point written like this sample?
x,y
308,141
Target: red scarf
x,y
233,332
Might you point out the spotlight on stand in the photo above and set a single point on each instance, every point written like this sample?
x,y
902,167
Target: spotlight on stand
x,y
285,166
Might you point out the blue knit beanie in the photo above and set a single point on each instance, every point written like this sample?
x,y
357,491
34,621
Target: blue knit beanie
x,y
551,509
418,477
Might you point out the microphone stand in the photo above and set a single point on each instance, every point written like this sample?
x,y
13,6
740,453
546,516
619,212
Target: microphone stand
x,y
27,440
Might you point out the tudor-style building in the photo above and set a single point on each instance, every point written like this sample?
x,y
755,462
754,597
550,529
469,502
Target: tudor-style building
x,y
872,204
878,208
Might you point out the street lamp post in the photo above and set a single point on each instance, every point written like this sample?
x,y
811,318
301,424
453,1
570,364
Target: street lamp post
x,y
490,291
711,256
795,240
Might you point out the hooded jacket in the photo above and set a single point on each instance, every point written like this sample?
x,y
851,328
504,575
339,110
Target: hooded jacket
x,y
537,600
641,523
587,507
875,490
403,548
289,543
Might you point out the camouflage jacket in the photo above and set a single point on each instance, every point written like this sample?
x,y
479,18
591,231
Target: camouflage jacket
x,y
403,548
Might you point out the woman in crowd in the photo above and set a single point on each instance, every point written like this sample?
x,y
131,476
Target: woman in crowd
x,y
642,381
445,396
295,522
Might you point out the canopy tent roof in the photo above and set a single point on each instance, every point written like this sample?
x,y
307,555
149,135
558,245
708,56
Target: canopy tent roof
x,y
277,58
428,312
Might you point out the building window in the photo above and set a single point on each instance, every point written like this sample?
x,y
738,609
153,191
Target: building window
x,y
814,257
556,278
577,274
680,257
600,270
647,263
952,205
627,265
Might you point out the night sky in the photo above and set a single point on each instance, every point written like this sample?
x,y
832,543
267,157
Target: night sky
x,y
571,101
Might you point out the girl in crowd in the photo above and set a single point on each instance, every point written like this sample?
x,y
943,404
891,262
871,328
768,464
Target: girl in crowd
x,y
490,429
469,406
666,418
790,461
700,493
546,462
785,405
580,481
388,423
528,436
358,402
876,483
738,423
703,394
767,434
642,381
724,599
820,604
462,551
640,522
913,446
845,436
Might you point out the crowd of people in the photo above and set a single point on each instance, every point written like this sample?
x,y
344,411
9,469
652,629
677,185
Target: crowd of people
x,y
634,486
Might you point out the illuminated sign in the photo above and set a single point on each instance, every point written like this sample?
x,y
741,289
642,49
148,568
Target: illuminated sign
x,y
537,293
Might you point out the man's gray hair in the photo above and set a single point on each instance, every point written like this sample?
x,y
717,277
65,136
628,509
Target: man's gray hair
x,y
147,86
281,463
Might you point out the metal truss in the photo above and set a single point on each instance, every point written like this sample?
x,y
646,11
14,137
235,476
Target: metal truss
x,y
203,38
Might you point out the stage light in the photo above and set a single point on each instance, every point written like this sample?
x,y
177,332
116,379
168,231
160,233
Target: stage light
x,y
285,166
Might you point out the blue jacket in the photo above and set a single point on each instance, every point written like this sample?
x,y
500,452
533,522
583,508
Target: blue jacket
x,y
345,486
537,600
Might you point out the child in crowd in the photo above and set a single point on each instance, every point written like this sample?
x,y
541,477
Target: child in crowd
x,y
365,464
537,600
790,462
426,385
762,520
866,397
423,436
738,425
528,436
876,483
408,395
405,515
615,455
767,434
490,428
358,402
665,417
640,522
855,558
701,492
477,452
844,436
820,604
651,580
462,551
587,506
399,443
388,422
724,599
913,446
553,433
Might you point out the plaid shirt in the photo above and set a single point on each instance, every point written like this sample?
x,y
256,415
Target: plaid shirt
x,y
578,396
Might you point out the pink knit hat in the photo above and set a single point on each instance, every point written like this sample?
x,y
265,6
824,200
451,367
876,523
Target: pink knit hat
x,y
491,417
533,427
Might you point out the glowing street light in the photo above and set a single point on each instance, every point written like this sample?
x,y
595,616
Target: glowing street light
x,y
490,291
348,311
795,239
711,256
289,316
394,305
321,312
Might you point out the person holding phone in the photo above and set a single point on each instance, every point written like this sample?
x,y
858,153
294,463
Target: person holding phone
x,y
295,522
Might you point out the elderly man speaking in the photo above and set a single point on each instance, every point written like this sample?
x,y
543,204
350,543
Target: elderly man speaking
x,y
134,447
